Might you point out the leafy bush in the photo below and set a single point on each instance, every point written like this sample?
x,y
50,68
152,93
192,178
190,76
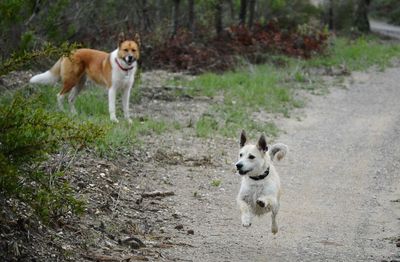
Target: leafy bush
x,y
20,59
182,52
28,135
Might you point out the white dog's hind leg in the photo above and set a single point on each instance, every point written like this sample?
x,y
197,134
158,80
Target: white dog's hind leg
x,y
274,225
112,96
271,205
125,103
246,213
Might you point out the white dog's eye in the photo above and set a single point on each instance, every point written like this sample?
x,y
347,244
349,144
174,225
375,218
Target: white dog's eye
x,y
240,155
251,157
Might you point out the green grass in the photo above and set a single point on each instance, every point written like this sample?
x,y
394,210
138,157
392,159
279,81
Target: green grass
x,y
228,121
359,54
258,87
246,92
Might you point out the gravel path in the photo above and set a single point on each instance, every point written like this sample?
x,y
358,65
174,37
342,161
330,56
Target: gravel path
x,y
340,182
385,29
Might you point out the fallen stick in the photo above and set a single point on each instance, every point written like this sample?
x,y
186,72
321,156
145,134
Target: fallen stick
x,y
158,193
101,258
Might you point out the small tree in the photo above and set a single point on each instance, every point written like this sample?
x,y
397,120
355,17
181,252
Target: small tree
x,y
361,21
176,14
242,12
218,16
191,16
252,6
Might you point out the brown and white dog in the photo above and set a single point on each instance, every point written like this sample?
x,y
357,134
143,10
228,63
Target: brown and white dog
x,y
115,70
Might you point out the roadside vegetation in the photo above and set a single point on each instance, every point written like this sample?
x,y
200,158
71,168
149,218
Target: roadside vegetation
x,y
251,71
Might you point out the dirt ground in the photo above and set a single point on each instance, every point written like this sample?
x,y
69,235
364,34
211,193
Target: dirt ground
x,y
341,184
341,190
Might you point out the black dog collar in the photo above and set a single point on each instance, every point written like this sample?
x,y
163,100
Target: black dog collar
x,y
264,175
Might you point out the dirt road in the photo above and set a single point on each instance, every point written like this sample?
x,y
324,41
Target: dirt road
x,y
385,29
341,199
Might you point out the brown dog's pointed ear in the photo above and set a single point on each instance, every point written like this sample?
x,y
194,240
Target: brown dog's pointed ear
x,y
262,144
121,38
137,39
243,138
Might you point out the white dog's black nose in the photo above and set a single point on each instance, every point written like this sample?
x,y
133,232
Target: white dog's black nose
x,y
239,166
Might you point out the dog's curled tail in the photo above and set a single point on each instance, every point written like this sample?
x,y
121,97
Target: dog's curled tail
x,y
279,151
50,76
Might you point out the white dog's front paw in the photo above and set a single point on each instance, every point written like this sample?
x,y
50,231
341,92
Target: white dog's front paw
x,y
246,224
129,120
246,221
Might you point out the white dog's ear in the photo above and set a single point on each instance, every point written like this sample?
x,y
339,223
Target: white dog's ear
x,y
243,138
262,144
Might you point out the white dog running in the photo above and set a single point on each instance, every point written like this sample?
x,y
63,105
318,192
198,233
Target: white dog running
x,y
260,188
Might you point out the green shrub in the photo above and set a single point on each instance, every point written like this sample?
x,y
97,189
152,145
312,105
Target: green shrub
x,y
28,135
20,59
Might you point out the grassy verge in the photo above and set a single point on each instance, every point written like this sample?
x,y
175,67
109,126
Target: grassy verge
x,y
271,87
358,54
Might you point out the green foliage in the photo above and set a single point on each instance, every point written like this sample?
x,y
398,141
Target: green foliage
x,y
9,10
358,54
54,31
291,13
92,107
28,135
216,182
388,10
229,120
19,60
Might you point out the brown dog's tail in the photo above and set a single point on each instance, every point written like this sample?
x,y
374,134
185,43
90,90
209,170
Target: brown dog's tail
x,y
278,150
50,76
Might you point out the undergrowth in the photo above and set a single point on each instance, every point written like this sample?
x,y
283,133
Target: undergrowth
x,y
92,108
29,134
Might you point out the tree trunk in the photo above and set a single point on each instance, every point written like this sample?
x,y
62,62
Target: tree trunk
x,y
252,5
146,19
330,15
175,25
361,21
243,11
191,16
218,16
231,10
